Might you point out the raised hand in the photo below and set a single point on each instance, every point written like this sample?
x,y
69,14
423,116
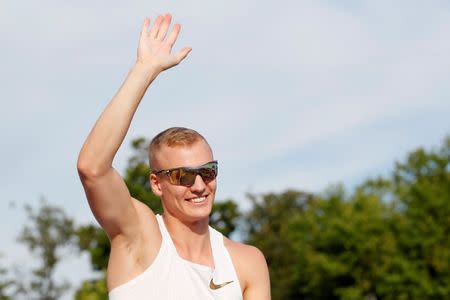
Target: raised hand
x,y
155,45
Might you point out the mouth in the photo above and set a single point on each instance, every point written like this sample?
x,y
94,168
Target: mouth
x,y
197,200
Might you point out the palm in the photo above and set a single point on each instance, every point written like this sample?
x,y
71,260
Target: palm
x,y
155,46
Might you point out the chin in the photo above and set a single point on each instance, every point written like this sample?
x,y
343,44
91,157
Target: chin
x,y
197,212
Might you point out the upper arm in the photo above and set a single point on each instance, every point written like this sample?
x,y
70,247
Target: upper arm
x,y
252,270
257,281
111,203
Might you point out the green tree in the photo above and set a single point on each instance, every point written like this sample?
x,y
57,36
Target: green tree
x,y
331,246
265,229
92,239
137,175
6,284
225,216
422,187
48,234
386,240
349,246
93,290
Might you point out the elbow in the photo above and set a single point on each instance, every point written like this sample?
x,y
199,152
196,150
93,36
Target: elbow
x,y
84,169
88,169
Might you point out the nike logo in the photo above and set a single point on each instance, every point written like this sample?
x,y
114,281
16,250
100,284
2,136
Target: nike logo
x,y
214,286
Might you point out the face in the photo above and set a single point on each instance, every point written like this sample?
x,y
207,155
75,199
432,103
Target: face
x,y
189,204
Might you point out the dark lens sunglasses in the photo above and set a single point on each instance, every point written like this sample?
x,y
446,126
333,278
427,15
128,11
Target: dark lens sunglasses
x,y
185,176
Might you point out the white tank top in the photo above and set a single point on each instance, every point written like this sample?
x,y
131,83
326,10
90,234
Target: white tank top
x,y
170,277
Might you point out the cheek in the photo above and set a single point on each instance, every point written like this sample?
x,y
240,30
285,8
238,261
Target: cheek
x,y
212,186
171,192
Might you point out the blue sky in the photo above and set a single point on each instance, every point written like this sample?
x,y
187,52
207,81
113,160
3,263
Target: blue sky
x,y
290,94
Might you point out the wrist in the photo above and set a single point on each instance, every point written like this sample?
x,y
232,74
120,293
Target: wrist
x,y
146,71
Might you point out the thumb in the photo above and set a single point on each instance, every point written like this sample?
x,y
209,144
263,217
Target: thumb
x,y
182,54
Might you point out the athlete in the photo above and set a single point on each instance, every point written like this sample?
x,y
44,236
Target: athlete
x,y
176,255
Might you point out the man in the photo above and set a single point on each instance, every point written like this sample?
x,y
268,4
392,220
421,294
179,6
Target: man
x,y
177,255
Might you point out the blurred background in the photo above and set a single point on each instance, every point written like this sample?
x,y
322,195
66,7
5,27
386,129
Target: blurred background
x,y
330,121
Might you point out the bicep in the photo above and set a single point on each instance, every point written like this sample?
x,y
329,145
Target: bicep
x,y
258,281
111,203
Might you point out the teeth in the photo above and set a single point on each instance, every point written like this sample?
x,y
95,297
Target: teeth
x,y
198,200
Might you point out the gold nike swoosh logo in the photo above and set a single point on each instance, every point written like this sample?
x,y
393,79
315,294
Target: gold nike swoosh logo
x,y
214,286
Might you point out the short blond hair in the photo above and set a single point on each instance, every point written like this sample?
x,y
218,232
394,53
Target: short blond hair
x,y
173,137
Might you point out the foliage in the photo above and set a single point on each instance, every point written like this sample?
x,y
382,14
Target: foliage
x,y
137,176
265,229
93,239
93,290
50,232
387,240
6,283
422,185
224,216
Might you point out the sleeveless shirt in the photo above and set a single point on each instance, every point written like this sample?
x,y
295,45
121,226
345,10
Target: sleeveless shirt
x,y
171,277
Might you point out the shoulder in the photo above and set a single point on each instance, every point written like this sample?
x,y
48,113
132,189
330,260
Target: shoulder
x,y
243,253
251,268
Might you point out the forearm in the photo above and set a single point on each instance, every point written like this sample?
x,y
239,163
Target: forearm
x,y
153,56
107,135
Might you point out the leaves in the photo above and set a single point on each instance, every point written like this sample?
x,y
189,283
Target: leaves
x,y
6,285
224,216
49,233
93,290
387,240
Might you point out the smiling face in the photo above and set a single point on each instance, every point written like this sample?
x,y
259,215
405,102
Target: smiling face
x,y
188,204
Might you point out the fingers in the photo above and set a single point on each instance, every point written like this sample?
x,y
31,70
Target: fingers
x,y
145,27
157,43
171,39
164,27
155,29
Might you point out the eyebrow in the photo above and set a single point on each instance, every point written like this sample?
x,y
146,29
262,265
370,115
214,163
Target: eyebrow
x,y
184,167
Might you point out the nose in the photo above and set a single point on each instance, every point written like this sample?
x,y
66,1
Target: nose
x,y
199,185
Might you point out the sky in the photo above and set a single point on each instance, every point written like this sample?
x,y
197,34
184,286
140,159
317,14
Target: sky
x,y
290,94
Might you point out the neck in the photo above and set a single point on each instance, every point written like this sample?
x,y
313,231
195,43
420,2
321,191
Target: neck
x,y
191,239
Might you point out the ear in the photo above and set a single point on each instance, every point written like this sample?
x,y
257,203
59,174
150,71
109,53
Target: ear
x,y
155,184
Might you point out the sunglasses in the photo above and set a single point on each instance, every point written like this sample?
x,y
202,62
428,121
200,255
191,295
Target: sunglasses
x,y
185,176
